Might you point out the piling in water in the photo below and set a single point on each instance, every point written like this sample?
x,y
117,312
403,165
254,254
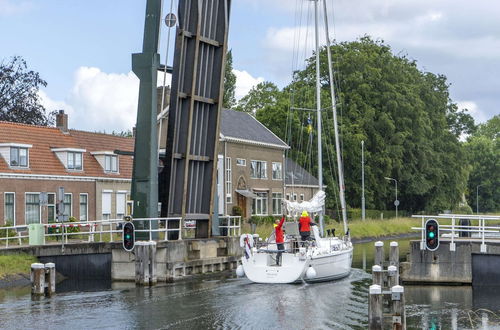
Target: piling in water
x,y
398,308
145,263
377,275
375,315
379,253
394,254
37,277
50,278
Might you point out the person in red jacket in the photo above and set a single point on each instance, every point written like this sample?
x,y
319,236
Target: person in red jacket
x,y
305,224
280,238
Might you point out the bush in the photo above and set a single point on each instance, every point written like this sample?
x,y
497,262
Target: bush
x,y
237,211
73,229
11,232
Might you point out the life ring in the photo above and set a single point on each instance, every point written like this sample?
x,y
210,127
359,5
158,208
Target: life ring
x,y
248,237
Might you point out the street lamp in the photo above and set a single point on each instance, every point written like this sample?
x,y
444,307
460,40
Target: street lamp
x,y
396,202
363,180
477,198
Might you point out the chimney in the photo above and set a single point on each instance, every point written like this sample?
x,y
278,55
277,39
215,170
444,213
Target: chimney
x,y
62,121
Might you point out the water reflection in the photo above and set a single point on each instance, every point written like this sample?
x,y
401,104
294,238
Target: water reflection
x,y
225,302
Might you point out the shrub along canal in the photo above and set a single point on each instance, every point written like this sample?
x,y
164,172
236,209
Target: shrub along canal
x,y
223,301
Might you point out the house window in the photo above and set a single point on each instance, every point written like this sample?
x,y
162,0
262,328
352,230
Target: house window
x,y
287,197
9,209
301,197
277,209
241,162
120,204
106,205
84,207
258,169
19,157
229,185
294,197
277,171
67,206
51,207
111,163
32,208
74,160
259,206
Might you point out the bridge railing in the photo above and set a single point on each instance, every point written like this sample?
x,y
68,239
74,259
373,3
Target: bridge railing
x,y
463,227
109,230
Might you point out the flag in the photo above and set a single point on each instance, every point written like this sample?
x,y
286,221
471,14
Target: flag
x,y
248,252
309,125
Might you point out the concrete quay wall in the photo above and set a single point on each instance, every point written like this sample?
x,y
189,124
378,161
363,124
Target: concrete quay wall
x,y
465,265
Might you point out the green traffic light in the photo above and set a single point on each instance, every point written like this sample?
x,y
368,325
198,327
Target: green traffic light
x,y
127,236
431,235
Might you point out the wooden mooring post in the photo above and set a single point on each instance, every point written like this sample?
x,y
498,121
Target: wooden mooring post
x,y
145,263
386,288
43,279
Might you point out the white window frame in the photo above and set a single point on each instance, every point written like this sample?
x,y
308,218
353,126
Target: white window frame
x,y
229,182
277,200
301,196
124,206
280,178
110,169
53,205
86,207
287,197
263,202
294,198
19,165
70,214
103,215
13,206
72,155
39,207
241,162
262,169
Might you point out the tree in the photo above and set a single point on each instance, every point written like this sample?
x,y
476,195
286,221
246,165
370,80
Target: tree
x,y
483,151
19,100
264,94
229,83
405,116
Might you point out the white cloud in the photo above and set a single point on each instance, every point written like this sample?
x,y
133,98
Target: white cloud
x,y
9,7
244,82
474,110
99,101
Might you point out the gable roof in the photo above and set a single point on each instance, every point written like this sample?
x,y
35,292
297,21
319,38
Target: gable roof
x,y
43,161
238,126
298,176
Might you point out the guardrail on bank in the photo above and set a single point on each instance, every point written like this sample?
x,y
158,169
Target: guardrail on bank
x,y
107,230
469,228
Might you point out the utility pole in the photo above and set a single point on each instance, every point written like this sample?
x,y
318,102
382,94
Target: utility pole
x,y
396,202
363,215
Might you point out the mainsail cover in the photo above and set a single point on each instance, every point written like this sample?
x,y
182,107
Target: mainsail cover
x,y
314,205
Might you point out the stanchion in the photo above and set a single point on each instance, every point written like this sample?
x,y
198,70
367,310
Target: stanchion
x,y
394,254
398,308
392,276
377,275
50,276
375,316
37,277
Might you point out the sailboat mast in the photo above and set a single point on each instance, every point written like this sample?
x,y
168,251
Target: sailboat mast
x,y
318,110
335,124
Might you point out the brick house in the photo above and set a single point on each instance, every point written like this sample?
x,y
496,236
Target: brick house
x,y
300,185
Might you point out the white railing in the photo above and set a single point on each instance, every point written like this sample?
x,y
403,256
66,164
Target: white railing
x,y
91,229
448,224
232,224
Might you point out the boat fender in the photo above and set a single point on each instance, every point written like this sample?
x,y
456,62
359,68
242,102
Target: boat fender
x,y
240,272
248,237
311,273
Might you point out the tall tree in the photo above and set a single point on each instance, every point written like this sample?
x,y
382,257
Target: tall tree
x,y
264,94
19,100
229,83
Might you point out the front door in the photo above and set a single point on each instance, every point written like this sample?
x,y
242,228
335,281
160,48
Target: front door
x,y
242,203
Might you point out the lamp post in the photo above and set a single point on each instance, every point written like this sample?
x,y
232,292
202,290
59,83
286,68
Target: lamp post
x,y
477,198
363,180
396,202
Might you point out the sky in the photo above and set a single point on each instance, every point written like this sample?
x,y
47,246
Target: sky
x,y
83,48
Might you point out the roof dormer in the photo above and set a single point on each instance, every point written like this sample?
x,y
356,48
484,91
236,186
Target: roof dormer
x,y
16,155
71,158
108,161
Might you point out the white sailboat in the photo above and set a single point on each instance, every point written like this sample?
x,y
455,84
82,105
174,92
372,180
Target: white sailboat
x,y
323,258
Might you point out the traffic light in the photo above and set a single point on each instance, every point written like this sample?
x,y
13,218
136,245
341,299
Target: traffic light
x,y
431,235
128,236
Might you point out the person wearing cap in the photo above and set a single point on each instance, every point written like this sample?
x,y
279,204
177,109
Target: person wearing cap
x,y
305,224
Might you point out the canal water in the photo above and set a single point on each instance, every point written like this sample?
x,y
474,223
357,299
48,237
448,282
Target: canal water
x,y
227,302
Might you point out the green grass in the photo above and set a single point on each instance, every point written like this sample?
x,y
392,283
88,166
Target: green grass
x,y
359,228
15,264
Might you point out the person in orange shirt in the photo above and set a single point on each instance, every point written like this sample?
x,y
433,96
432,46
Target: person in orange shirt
x,y
280,238
305,224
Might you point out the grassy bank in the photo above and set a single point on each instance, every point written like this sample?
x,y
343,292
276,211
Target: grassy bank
x,y
15,264
359,228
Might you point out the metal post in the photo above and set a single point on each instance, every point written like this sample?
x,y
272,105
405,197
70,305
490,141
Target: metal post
x,y
396,202
50,271
394,254
37,277
375,316
377,275
379,253
363,179
398,308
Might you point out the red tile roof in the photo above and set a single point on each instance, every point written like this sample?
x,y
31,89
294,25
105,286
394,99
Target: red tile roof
x,y
44,161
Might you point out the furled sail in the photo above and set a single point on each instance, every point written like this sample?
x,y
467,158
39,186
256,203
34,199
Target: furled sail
x,y
314,205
